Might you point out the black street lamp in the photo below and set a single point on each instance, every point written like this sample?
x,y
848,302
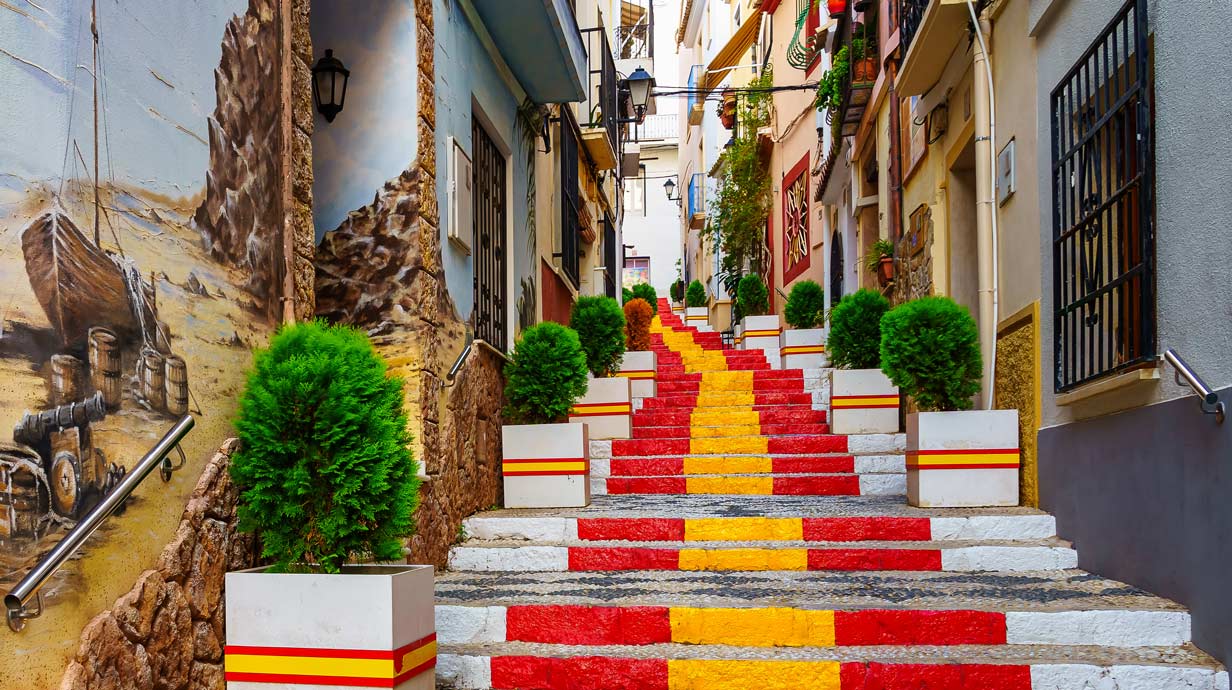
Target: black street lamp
x,y
638,86
670,187
329,83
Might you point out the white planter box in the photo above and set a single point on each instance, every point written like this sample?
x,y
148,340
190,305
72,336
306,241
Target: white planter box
x,y
804,348
697,317
738,337
607,408
862,401
761,333
640,367
546,465
678,308
962,459
371,625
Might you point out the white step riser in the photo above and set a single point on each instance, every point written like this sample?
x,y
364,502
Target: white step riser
x,y
877,445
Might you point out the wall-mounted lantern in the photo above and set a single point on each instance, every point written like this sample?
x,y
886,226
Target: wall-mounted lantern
x,y
329,84
670,188
638,86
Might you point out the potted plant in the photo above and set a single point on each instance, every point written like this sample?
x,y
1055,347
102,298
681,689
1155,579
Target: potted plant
x,y
607,406
727,109
880,261
830,86
696,312
862,398
863,61
803,346
956,457
647,292
677,293
758,330
326,476
546,459
639,362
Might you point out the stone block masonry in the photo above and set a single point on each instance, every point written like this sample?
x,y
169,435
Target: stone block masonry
x,y
168,630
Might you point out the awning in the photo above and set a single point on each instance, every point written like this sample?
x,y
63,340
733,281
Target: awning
x,y
730,54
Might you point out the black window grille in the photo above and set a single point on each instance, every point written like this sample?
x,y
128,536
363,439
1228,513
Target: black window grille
x,y
836,268
490,209
910,13
1103,188
570,227
602,94
610,267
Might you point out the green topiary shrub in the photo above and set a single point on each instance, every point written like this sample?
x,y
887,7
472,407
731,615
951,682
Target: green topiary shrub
x,y
637,325
695,296
647,292
855,330
930,348
324,468
677,291
545,375
806,305
600,325
625,295
752,295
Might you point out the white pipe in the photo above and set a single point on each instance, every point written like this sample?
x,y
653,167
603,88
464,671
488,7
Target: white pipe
x,y
991,201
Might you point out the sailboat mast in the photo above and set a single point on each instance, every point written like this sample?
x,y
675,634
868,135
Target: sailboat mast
x,y
94,31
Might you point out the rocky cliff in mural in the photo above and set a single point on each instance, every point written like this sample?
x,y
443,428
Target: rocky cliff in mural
x,y
241,216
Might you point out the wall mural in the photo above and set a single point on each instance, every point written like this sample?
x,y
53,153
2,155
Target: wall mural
x,y
139,227
795,221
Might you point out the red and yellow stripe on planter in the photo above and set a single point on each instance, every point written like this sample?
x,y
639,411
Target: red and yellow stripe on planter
x,y
607,408
359,668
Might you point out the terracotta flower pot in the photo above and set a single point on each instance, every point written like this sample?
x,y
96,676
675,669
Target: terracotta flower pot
x,y
864,70
885,270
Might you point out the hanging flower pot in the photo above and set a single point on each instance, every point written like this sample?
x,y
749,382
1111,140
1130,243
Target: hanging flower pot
x,y
837,8
864,70
885,270
727,109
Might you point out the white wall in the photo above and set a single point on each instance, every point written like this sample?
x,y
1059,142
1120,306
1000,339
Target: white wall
x,y
654,231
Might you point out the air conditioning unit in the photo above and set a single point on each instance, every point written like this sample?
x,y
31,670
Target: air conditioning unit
x,y
461,198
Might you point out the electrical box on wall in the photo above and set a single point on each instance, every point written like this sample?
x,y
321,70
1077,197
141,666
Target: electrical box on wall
x,y
461,197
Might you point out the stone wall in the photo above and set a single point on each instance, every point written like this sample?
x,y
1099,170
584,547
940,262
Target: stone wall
x,y
167,633
301,250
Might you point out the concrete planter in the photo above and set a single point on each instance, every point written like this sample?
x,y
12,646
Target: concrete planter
x,y
678,309
546,465
640,367
697,317
738,336
371,625
762,333
607,408
804,348
862,401
962,459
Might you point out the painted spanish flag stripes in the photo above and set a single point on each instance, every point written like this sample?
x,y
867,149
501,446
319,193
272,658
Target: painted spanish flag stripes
x,y
594,409
545,466
357,668
964,459
803,350
863,402
836,529
583,673
751,559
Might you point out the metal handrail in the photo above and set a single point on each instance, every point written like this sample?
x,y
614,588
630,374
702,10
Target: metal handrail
x,y
452,376
1210,402
17,600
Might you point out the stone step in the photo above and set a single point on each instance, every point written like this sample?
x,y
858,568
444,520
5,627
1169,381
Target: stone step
x,y
771,624
799,414
500,556
732,445
786,464
905,667
869,528
756,485
728,431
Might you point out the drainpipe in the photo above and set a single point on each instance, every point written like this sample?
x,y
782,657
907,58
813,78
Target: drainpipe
x,y
986,208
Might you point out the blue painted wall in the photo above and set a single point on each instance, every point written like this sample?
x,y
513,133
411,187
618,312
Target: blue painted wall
x,y
465,75
374,138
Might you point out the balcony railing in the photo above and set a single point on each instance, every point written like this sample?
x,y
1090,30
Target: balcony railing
x,y
695,76
635,42
696,195
656,127
910,12
601,95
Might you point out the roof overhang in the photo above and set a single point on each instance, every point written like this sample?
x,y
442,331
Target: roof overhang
x,y
541,43
941,29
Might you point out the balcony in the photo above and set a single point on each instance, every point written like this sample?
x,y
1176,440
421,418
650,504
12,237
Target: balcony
x,y
694,106
863,68
599,115
929,32
697,208
541,44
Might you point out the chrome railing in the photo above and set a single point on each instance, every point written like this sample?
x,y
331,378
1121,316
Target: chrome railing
x,y
17,601
1210,402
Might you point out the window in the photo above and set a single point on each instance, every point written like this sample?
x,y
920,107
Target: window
x,y
609,256
570,226
1103,190
490,209
635,194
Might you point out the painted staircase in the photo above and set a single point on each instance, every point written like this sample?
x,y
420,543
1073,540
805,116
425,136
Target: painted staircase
x,y
734,542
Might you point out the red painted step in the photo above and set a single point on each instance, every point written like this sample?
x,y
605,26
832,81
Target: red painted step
x,y
786,445
763,400
672,467
666,432
837,529
609,558
800,485
777,415
791,385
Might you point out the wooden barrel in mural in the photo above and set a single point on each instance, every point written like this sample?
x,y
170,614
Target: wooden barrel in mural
x,y
177,385
152,379
104,358
67,379
24,494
